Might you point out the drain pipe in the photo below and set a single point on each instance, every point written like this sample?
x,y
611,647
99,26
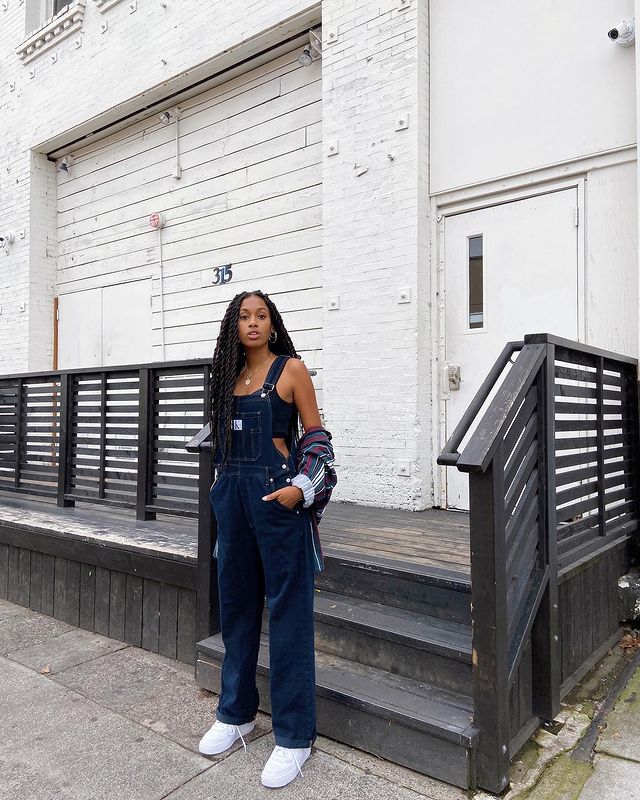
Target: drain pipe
x,y
157,222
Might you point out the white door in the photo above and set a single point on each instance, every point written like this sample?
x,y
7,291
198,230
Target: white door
x,y
80,329
127,323
108,326
510,270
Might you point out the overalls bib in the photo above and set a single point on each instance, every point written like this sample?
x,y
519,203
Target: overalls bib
x,y
264,548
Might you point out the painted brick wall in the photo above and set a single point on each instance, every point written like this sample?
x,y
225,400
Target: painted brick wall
x,y
139,55
375,246
375,224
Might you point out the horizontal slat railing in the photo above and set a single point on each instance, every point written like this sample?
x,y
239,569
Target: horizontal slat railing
x,y
114,436
117,437
553,478
510,573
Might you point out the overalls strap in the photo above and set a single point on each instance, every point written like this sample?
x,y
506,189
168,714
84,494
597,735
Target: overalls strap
x,y
274,373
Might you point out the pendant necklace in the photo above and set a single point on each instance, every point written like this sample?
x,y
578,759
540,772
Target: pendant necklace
x,y
253,372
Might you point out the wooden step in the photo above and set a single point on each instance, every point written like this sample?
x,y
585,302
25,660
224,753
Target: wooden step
x,y
406,721
399,641
441,593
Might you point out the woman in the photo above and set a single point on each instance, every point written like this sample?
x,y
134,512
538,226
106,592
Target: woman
x,y
267,528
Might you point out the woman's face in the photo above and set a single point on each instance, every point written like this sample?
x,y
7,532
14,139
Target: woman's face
x,y
254,322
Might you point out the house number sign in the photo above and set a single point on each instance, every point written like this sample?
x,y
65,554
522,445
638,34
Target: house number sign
x,y
222,274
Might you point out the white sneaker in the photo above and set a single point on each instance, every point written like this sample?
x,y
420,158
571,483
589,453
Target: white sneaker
x,y
284,765
221,736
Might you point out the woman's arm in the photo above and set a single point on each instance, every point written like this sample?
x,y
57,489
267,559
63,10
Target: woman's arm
x,y
304,394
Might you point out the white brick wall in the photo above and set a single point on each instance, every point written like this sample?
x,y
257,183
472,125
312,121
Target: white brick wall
x,y
375,226
136,61
375,243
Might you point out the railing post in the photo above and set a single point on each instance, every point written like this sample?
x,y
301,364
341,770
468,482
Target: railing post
x,y
103,436
489,615
599,408
64,441
145,427
635,476
207,616
19,427
545,633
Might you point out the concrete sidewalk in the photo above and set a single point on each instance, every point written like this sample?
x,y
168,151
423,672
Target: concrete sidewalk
x,y
616,765
86,717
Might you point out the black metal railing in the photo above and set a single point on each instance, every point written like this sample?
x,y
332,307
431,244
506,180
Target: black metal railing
x,y
553,478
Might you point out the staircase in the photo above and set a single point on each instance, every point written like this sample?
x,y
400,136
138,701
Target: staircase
x,y
554,466
393,664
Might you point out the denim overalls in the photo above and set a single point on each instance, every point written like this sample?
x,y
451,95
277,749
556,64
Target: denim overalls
x,y
264,548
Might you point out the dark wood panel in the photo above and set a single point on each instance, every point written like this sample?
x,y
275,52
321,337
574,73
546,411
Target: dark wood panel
x,y
186,644
117,604
513,707
525,687
133,611
586,610
48,582
102,599
13,574
168,620
72,594
87,596
571,374
181,571
24,576
35,592
60,588
4,570
151,615
589,609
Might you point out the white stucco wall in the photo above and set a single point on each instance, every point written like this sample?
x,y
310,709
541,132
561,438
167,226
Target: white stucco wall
x,y
517,87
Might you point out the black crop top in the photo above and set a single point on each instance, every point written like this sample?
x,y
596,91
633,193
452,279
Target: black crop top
x,y
281,411
281,414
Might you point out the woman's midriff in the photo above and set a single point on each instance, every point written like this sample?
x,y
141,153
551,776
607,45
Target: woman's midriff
x,y
281,446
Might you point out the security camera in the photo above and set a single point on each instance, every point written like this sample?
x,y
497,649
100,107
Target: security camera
x,y
624,33
6,239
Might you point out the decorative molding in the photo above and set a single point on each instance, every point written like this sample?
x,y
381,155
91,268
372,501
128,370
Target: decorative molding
x,y
105,5
65,22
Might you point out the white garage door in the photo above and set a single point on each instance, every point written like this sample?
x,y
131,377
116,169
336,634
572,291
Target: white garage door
x,y
249,196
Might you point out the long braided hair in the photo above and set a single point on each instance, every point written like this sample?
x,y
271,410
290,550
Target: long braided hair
x,y
228,360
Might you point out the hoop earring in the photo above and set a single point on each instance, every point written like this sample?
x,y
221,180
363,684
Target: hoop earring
x,y
275,336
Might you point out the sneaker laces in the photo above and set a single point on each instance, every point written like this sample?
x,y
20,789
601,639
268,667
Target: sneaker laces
x,y
284,751
244,744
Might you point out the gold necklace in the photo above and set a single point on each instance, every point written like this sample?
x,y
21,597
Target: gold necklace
x,y
253,372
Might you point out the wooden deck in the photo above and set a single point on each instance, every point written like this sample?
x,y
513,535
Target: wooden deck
x,y
430,539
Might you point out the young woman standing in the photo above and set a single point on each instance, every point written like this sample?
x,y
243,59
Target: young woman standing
x,y
259,391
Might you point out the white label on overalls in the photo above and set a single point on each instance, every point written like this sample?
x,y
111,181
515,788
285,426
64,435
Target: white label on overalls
x,y
237,424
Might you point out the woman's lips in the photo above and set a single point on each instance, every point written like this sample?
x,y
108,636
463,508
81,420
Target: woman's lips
x,y
253,335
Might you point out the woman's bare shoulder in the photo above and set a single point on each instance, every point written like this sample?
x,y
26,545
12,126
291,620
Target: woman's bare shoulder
x,y
296,370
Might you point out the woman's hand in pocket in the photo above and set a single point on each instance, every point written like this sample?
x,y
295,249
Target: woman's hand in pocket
x,y
288,496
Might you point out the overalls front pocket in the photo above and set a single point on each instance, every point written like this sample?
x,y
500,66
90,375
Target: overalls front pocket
x,y
279,478
246,439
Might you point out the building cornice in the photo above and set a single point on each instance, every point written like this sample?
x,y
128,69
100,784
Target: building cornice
x,y
66,22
